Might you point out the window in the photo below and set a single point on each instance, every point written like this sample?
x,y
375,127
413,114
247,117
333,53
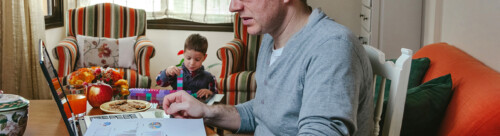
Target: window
x,y
53,13
201,15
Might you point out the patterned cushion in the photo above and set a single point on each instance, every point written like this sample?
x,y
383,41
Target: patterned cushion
x,y
239,87
106,52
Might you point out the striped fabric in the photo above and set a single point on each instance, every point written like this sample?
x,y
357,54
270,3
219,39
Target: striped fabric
x,y
230,57
111,21
106,20
66,52
239,58
240,87
144,50
250,42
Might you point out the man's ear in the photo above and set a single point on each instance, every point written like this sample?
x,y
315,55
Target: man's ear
x,y
205,57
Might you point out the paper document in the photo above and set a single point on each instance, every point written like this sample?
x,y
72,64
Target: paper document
x,y
146,127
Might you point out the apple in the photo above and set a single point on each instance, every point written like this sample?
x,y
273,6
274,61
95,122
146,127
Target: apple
x,y
98,94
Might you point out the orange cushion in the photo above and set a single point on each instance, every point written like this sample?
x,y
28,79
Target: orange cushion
x,y
475,106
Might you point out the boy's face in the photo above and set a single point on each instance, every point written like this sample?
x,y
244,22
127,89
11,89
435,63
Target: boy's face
x,y
193,59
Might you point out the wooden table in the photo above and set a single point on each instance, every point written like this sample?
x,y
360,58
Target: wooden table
x,y
45,119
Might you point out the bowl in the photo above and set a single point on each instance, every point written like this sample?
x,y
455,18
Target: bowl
x,y
13,114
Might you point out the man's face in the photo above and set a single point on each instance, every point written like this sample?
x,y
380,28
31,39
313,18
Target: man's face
x,y
260,16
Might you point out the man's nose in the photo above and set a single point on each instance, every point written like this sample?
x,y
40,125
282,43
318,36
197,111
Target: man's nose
x,y
235,6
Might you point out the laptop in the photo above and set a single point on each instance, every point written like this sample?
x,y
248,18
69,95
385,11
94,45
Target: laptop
x,y
73,124
50,73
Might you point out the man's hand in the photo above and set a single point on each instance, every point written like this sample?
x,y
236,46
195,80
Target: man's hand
x,y
173,70
204,93
182,105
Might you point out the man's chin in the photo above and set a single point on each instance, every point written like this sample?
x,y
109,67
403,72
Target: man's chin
x,y
253,30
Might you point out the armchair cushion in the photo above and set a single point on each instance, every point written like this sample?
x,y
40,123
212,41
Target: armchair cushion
x,y
425,107
66,53
106,52
417,72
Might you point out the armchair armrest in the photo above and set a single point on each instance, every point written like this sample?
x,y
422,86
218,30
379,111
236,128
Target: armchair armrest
x,y
66,52
144,51
231,57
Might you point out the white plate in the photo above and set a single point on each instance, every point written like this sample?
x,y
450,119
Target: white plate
x,y
105,107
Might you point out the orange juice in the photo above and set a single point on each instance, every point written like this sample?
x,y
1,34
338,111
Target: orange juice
x,y
78,104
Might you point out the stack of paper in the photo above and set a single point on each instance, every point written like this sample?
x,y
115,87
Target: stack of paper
x,y
146,127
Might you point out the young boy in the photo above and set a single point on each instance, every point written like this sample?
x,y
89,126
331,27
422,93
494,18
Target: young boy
x,y
196,79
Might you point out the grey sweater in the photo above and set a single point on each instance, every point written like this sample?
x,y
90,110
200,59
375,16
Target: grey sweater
x,y
320,85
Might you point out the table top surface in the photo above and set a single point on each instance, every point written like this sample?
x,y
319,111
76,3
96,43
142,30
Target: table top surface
x,y
45,119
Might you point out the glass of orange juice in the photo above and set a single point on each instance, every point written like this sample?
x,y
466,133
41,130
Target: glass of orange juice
x,y
77,100
78,104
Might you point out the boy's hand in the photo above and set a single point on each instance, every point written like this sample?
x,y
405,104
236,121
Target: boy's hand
x,y
182,105
173,70
204,93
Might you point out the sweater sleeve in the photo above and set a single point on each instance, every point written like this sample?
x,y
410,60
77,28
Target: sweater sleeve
x,y
247,118
329,102
163,80
212,85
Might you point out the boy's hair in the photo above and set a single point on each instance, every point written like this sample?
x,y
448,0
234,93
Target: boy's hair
x,y
196,42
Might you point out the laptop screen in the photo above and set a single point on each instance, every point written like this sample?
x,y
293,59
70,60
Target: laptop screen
x,y
59,96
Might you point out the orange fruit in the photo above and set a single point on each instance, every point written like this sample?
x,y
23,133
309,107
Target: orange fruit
x,y
121,82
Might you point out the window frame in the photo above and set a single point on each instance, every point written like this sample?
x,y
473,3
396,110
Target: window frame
x,y
57,18
180,24
177,24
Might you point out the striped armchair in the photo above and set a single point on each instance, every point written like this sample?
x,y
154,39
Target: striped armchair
x,y
110,21
239,59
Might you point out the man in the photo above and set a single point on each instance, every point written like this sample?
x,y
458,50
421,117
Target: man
x,y
313,77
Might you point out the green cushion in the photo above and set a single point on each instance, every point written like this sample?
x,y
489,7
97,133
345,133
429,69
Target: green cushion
x,y
425,107
417,72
